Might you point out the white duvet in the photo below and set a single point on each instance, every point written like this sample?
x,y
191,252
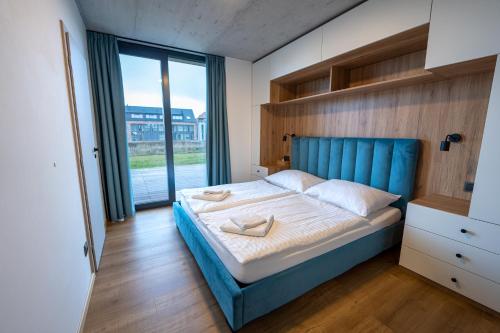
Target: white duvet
x,y
241,194
299,222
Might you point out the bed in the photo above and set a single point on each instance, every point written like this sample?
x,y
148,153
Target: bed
x,y
241,194
387,164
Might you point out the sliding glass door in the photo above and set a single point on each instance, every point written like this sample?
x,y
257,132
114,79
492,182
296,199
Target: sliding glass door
x,y
188,89
145,124
165,121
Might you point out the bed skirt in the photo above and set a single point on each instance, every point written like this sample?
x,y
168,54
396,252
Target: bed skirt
x,y
242,303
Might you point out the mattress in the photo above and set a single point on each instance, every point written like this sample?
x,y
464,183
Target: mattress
x,y
241,194
304,228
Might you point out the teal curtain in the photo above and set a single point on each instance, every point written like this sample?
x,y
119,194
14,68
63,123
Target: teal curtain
x,y
109,105
218,160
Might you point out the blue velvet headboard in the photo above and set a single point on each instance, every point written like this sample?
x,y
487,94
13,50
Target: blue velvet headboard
x,y
386,164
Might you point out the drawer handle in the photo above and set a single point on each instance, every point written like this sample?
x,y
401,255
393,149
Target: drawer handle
x,y
454,280
458,255
464,231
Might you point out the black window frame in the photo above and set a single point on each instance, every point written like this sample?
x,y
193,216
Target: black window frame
x,y
162,55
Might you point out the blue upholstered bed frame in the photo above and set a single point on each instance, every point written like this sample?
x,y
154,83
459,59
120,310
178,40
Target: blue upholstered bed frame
x,y
387,164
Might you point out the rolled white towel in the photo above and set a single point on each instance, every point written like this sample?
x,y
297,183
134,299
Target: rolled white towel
x,y
259,231
249,221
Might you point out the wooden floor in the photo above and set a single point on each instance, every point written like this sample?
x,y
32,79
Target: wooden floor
x,y
148,282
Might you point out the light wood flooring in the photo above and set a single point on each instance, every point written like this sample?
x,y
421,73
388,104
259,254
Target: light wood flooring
x,y
149,282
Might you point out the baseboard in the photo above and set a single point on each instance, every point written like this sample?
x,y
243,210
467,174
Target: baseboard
x,y
87,302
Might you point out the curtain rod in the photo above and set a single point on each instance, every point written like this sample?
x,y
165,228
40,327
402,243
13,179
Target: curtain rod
x,y
162,46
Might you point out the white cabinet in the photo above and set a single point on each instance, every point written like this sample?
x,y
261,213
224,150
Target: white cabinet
x,y
372,21
255,145
462,30
260,81
260,171
299,54
453,226
485,200
481,290
453,250
467,257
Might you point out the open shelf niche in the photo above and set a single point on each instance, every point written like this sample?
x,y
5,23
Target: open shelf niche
x,y
394,62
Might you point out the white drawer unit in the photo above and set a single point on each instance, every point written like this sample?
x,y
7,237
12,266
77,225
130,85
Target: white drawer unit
x,y
467,257
481,290
260,171
443,244
460,228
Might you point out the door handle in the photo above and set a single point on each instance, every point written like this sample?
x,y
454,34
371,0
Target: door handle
x,y
95,151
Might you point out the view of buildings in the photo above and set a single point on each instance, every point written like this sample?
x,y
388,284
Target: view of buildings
x,y
147,124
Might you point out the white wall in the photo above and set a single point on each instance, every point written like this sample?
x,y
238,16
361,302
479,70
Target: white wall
x,y
44,276
239,114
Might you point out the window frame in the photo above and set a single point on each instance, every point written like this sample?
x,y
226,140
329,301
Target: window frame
x,y
163,55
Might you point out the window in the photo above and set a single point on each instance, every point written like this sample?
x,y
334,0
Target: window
x,y
146,132
176,117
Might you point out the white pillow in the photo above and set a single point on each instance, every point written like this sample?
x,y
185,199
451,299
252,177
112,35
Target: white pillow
x,y
358,198
294,180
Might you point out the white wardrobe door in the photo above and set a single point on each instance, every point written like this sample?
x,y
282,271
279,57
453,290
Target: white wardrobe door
x,y
462,30
485,198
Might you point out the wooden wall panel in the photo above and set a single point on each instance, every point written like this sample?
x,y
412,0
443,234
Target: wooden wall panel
x,y
426,111
405,65
313,87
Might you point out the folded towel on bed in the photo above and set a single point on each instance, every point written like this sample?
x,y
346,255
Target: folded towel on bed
x,y
213,191
249,221
258,231
212,197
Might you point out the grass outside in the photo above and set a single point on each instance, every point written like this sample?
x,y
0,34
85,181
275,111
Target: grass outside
x,y
152,161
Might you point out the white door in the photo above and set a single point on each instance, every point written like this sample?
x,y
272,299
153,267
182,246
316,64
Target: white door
x,y
88,142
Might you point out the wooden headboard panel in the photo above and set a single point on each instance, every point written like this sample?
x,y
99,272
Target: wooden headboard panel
x,y
425,111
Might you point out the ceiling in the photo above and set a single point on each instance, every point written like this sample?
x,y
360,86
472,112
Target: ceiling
x,y
244,29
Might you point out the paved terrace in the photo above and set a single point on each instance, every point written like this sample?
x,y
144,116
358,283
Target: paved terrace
x,y
150,184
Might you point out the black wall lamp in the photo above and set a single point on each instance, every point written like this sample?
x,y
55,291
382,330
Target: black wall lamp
x,y
286,158
445,145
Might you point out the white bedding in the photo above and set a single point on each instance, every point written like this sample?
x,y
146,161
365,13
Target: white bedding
x,y
304,228
241,194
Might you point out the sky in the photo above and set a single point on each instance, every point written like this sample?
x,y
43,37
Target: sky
x,y
142,83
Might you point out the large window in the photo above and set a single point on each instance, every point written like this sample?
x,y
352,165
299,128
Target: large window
x,y
166,121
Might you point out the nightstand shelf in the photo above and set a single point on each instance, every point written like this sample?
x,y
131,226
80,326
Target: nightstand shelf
x,y
262,171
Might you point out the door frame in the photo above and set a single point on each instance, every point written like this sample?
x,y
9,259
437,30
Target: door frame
x,y
78,146
162,55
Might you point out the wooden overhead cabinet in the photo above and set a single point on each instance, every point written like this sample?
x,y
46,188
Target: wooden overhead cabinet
x,y
462,30
370,22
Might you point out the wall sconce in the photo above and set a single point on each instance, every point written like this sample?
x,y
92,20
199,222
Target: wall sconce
x,y
445,145
287,134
